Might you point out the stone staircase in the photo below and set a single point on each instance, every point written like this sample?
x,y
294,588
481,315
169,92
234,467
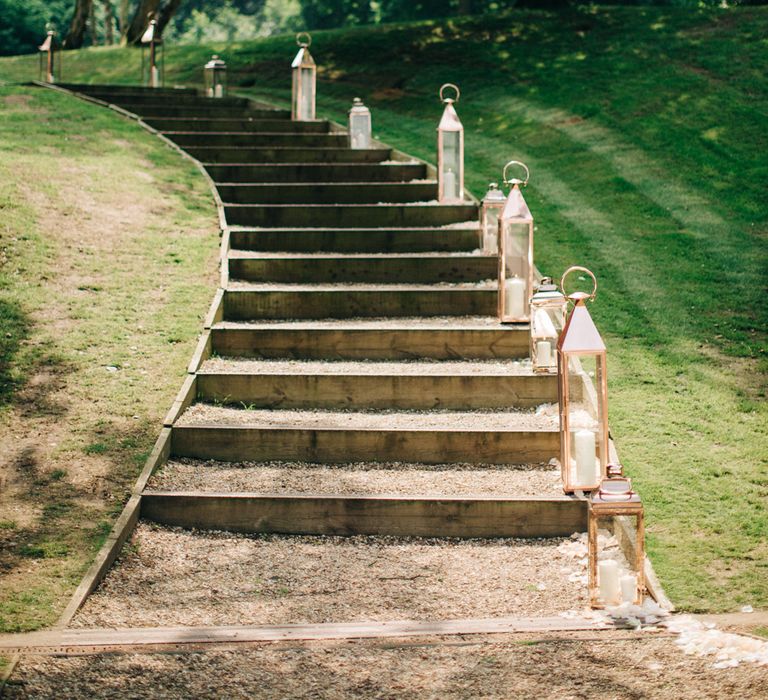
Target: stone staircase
x,y
354,369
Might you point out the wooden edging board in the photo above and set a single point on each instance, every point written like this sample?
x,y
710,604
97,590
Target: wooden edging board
x,y
148,639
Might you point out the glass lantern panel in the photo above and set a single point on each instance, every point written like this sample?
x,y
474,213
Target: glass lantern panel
x,y
359,130
491,230
586,418
307,106
617,577
451,164
218,83
516,272
546,324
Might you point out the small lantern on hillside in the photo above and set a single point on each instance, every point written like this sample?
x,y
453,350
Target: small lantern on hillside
x,y
152,57
548,309
515,251
490,209
609,582
359,125
215,76
583,395
50,64
450,149
304,81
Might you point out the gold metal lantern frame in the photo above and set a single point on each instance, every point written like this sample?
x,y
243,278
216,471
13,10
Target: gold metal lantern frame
x,y
607,584
582,395
50,58
359,125
515,251
152,56
215,77
450,149
304,75
490,210
548,311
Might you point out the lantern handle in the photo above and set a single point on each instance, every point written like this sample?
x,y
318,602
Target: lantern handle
x,y
450,100
579,296
514,180
304,44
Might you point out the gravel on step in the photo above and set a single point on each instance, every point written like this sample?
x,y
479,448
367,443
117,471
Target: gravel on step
x,y
505,368
355,420
617,665
359,479
381,322
235,285
170,576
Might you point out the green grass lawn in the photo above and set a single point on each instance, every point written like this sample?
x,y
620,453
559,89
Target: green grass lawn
x,y
108,248
644,129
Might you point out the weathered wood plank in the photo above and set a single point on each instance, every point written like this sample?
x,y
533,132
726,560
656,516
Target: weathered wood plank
x,y
378,391
237,443
368,515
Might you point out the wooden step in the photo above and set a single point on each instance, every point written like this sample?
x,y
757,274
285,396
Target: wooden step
x,y
89,89
376,339
283,301
231,435
217,154
317,172
151,98
375,515
374,385
348,215
327,193
256,139
424,268
219,124
206,111
387,240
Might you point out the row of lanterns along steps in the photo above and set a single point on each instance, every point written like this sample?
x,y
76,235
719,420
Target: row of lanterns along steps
x,y
358,327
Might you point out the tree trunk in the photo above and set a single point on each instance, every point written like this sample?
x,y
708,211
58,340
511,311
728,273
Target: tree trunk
x,y
123,19
76,33
167,11
109,17
140,20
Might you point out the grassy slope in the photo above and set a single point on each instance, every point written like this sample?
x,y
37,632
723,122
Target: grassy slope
x,y
644,130
108,252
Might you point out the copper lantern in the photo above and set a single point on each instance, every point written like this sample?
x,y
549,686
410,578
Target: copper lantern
x,y
450,150
215,76
548,309
152,60
304,81
614,579
582,395
359,125
50,65
490,209
515,252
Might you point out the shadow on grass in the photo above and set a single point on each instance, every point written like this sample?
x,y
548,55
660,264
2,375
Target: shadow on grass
x,y
15,327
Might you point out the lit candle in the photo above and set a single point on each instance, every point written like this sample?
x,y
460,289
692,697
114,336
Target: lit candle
x,y
514,297
543,353
629,588
449,184
586,462
608,581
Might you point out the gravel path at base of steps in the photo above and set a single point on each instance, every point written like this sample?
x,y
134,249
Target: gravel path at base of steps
x,y
503,368
359,479
170,576
206,414
615,665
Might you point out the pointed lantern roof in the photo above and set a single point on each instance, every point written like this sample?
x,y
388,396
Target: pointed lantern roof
x,y
450,120
515,208
48,44
580,333
149,34
303,58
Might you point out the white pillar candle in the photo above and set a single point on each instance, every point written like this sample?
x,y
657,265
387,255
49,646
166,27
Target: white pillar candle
x,y
219,90
628,588
543,353
586,462
514,297
490,235
608,581
449,184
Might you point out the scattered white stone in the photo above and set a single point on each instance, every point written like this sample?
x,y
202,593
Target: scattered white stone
x,y
111,368
747,609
